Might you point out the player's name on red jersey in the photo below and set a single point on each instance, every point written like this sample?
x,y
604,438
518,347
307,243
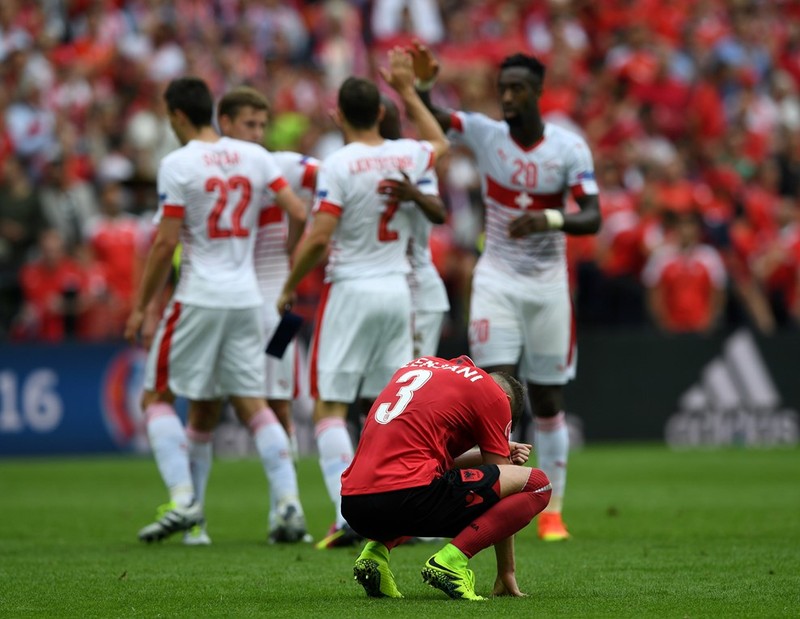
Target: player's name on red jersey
x,y
380,164
471,373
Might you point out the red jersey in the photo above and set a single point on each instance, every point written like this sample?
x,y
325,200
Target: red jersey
x,y
432,411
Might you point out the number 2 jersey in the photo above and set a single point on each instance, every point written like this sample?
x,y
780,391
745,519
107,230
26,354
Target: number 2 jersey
x,y
218,189
372,236
432,411
515,179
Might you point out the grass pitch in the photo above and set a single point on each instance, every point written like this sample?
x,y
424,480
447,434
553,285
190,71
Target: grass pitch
x,y
656,534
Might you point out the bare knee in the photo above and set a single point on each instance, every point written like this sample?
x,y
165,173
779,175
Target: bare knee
x,y
156,397
546,400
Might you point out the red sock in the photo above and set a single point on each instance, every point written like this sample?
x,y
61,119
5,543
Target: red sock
x,y
396,542
510,515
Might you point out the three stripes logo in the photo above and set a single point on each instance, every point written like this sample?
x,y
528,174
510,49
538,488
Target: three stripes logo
x,y
735,402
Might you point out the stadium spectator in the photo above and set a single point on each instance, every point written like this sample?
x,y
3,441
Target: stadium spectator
x,y
117,240
54,292
210,342
685,279
417,473
21,223
69,203
521,310
363,327
605,74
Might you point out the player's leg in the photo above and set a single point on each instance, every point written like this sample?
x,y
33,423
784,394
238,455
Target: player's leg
x,y
514,496
280,387
272,444
548,364
335,449
427,333
241,377
495,332
172,367
202,418
336,367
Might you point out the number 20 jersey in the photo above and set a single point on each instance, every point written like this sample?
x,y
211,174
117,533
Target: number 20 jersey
x,y
217,188
515,179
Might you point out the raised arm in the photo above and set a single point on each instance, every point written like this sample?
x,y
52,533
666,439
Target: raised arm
x,y
400,76
426,68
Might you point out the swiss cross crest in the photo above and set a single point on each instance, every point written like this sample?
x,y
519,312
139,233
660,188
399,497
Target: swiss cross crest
x,y
523,200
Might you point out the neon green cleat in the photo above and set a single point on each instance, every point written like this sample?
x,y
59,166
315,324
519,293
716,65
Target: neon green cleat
x,y
372,572
447,571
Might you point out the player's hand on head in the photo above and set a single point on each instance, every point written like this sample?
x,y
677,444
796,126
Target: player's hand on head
x,y
426,67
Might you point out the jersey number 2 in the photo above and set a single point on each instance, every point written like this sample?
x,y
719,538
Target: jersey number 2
x,y
222,186
387,411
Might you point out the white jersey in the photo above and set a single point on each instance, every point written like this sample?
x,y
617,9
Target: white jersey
x,y
372,236
428,293
271,259
217,188
515,179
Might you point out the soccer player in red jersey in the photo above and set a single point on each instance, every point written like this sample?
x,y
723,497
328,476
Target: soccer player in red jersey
x,y
416,474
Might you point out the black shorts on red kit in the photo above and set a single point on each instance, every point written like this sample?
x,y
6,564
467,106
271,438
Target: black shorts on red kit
x,y
443,508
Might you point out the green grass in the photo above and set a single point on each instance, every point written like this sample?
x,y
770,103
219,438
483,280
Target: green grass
x,y
656,534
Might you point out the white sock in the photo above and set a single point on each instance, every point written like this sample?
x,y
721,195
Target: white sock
x,y
169,445
335,455
272,445
199,461
552,450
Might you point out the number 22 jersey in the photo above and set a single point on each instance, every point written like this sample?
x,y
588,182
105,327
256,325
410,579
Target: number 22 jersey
x,y
217,188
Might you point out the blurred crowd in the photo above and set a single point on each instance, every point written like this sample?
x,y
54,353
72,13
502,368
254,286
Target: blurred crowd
x,y
691,108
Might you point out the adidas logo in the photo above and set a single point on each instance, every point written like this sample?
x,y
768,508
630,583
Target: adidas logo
x,y
735,402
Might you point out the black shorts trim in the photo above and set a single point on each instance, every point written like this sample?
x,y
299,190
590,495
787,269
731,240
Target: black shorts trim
x,y
443,508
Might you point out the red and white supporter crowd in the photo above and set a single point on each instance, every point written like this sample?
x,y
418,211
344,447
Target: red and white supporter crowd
x,y
690,107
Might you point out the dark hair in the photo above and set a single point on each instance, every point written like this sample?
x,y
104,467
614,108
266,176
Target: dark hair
x,y
360,102
515,392
530,63
389,127
191,96
242,96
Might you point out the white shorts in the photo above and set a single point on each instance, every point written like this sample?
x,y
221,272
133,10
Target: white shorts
x,y
509,324
205,353
279,378
363,332
427,332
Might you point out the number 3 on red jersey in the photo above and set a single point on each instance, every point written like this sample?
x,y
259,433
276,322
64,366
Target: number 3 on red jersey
x,y
386,411
222,186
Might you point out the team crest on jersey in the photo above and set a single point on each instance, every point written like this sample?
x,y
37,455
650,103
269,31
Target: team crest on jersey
x,y
502,154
